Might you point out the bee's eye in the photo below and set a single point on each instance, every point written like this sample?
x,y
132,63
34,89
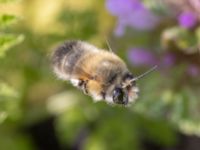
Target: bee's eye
x,y
118,95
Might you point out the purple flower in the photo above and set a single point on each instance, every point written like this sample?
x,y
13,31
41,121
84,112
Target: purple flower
x,y
187,19
122,7
168,60
131,13
120,29
141,19
193,70
138,56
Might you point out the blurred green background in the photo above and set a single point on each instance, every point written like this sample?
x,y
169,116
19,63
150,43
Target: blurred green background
x,y
38,111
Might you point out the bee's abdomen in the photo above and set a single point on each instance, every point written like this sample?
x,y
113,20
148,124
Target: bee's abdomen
x,y
65,58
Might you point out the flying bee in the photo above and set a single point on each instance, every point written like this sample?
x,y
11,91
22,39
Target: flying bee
x,y
97,72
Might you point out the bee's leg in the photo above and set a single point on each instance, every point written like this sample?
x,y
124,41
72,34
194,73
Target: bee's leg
x,y
85,89
83,86
103,94
115,100
125,99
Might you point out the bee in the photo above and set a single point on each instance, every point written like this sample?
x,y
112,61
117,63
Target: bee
x,y
98,73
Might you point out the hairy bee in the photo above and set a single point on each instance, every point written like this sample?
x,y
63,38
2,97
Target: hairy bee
x,y
97,72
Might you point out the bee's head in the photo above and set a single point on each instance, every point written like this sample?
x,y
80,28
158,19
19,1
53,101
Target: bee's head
x,y
125,94
125,90
128,92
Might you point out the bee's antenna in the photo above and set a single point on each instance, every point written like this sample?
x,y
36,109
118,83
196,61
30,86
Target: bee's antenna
x,y
110,49
144,74
141,76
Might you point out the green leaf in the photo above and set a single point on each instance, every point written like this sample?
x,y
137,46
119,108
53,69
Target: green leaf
x,y
6,20
7,41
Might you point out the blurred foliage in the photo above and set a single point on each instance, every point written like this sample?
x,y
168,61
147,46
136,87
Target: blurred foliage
x,y
6,20
8,96
7,41
72,26
29,91
8,1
